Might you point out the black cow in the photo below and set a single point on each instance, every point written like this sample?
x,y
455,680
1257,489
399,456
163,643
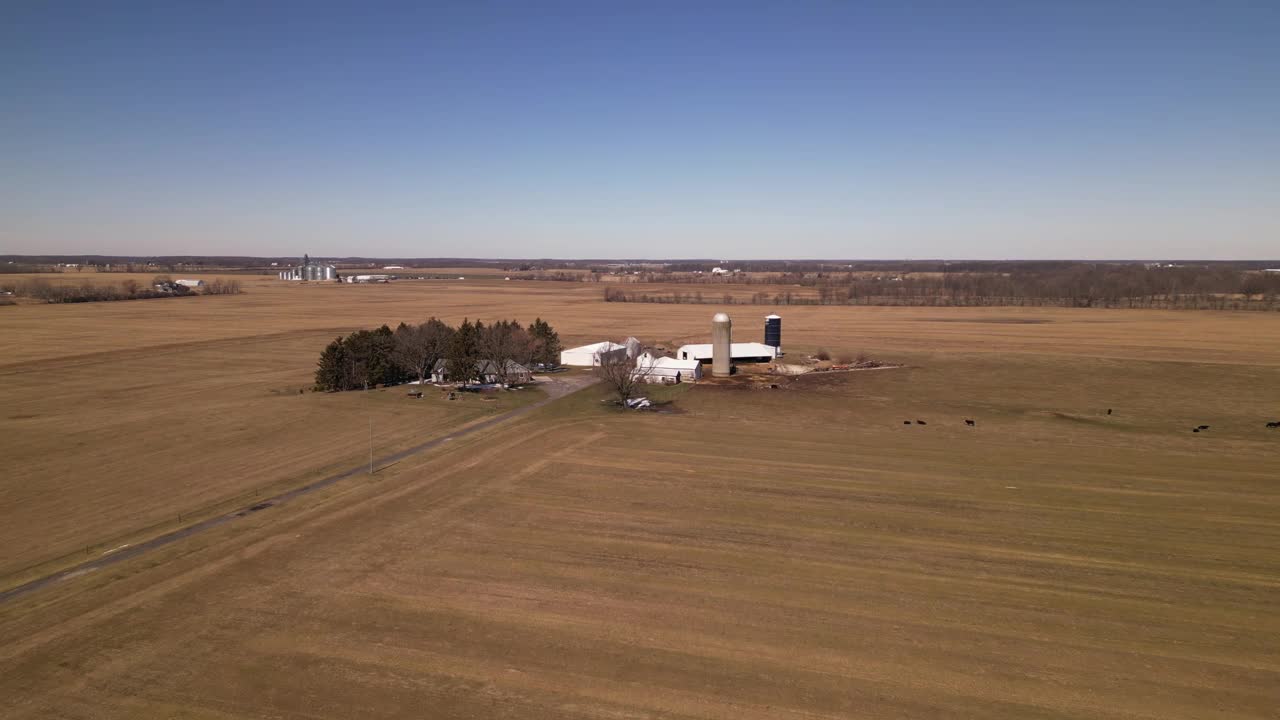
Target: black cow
x,y
906,422
1275,424
1108,411
921,422
970,423
1203,427
1195,429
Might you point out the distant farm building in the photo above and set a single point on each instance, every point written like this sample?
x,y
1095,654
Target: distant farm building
x,y
367,278
486,372
667,370
739,352
309,270
189,283
590,355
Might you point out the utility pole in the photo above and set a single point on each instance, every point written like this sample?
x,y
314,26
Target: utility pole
x,y
369,411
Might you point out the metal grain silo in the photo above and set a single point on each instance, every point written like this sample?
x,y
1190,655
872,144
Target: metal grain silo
x,y
773,331
721,342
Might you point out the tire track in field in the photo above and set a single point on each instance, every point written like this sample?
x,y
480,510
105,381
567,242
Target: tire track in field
x,y
558,389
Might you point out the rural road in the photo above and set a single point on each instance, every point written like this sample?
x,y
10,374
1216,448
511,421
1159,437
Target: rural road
x,y
556,387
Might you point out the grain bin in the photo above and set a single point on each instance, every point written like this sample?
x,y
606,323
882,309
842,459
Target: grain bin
x,y
773,331
721,342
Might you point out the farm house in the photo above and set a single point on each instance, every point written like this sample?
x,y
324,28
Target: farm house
x,y
517,374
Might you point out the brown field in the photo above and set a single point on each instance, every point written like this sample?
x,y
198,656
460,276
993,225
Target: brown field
x,y
791,553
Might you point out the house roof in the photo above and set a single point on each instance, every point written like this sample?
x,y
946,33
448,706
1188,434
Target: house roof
x,y
486,367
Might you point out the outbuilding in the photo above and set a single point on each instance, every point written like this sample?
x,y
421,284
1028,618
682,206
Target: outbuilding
x,y
189,283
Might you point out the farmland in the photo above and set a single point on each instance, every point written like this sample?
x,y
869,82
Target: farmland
x,y
797,552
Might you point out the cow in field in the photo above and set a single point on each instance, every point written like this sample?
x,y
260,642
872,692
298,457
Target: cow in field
x,y
1202,427
1275,424
906,422
970,423
921,422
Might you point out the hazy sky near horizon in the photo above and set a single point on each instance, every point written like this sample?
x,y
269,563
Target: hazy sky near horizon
x,y
656,129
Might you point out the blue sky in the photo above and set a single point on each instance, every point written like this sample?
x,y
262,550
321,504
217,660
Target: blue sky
x,y
602,129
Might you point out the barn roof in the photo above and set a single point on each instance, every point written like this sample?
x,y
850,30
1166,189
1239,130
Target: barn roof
x,y
737,350
604,346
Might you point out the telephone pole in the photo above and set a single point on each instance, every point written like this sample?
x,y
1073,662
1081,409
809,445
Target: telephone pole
x,y
369,411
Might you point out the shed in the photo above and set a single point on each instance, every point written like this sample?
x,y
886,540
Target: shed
x,y
189,283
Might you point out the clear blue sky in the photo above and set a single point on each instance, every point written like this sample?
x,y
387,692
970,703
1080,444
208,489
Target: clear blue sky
x,y
642,129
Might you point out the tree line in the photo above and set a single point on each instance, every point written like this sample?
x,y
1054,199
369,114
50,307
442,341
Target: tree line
x,y
161,286
369,358
1071,285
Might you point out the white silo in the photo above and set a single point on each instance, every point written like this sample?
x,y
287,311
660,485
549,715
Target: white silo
x,y
721,340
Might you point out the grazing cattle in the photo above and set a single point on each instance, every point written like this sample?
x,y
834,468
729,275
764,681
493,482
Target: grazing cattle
x,y
906,422
970,423
1275,424
1195,429
1202,427
1108,411
921,422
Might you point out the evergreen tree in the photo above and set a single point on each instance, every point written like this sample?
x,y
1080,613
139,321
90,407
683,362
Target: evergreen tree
x,y
547,343
464,352
331,370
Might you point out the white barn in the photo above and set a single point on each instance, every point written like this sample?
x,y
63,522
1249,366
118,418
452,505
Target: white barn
x,y
589,355
667,370
743,352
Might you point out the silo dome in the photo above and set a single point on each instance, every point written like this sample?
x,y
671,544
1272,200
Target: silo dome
x,y
720,317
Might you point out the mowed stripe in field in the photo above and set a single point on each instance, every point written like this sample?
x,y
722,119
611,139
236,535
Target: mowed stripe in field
x,y
101,452
622,567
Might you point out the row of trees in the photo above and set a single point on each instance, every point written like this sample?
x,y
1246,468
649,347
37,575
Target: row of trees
x,y
130,289
1078,285
368,358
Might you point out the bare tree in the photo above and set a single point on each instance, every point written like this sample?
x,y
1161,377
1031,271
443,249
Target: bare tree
x,y
419,347
505,345
622,375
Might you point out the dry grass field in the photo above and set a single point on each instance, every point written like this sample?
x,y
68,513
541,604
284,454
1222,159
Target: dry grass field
x,y
790,553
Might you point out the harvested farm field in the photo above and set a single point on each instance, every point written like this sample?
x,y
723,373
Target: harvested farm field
x,y
809,551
